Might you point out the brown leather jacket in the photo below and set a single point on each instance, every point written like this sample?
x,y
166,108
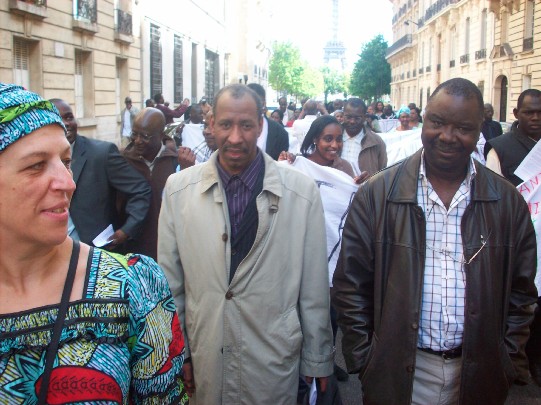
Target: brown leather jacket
x,y
373,156
379,278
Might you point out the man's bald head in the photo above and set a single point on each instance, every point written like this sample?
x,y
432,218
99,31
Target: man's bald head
x,y
310,107
148,132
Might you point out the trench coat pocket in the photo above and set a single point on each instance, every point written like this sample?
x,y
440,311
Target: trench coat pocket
x,y
369,357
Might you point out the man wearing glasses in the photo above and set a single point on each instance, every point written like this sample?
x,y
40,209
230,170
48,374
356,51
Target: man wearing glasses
x,y
153,155
434,287
100,173
363,148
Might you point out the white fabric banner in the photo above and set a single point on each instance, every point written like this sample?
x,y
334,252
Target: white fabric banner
x,y
388,125
337,190
531,191
192,135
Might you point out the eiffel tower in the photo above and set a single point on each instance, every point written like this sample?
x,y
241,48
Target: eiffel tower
x,y
335,51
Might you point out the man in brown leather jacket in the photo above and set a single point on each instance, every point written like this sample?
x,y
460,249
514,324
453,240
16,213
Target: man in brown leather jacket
x,y
434,286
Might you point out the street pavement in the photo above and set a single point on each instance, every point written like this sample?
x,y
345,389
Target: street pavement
x,y
350,391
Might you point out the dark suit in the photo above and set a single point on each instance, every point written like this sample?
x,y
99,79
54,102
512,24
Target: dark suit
x,y
277,139
99,172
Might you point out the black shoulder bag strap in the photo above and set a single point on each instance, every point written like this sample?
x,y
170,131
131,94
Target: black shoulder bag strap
x,y
59,323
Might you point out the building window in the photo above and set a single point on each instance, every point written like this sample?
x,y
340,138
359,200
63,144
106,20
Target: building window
x,y
79,85
484,27
467,37
177,69
21,63
211,74
85,10
529,25
155,60
481,87
526,82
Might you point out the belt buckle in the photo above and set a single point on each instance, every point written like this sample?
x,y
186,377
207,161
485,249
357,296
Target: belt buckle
x,y
452,354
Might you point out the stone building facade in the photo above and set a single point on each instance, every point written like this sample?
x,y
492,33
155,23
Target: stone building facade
x,y
490,42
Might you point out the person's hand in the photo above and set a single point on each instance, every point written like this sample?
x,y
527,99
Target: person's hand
x,y
322,382
186,102
118,238
187,378
360,178
179,129
285,155
186,158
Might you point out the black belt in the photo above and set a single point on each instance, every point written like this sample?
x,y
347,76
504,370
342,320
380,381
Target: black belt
x,y
445,354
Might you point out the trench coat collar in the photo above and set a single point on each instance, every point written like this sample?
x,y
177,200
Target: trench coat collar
x,y
271,182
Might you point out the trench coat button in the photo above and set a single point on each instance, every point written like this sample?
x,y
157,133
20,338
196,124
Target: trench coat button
x,y
410,369
229,295
415,325
224,237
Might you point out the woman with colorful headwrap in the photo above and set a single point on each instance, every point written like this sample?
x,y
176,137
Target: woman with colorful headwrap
x,y
404,119
77,324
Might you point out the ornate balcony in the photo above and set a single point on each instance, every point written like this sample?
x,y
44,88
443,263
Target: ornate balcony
x,y
481,54
421,71
402,43
35,8
452,63
123,26
85,15
465,58
438,6
428,69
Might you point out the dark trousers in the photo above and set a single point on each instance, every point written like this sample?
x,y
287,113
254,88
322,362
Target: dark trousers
x,y
533,347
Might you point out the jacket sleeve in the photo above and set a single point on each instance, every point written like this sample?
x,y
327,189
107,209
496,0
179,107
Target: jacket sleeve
x,y
523,292
169,258
125,179
353,283
283,145
382,156
317,356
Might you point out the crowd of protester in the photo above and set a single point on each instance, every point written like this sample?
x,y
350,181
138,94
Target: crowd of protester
x,y
194,264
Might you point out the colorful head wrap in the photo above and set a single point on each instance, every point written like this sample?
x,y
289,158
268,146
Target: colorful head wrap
x,y
403,109
23,112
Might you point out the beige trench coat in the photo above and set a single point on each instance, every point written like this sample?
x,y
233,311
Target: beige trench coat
x,y
248,340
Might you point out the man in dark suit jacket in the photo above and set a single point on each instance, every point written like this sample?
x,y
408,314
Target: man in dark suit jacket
x,y
100,172
277,138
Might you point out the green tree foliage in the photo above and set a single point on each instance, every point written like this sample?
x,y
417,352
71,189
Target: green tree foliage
x,y
290,74
371,76
334,82
285,67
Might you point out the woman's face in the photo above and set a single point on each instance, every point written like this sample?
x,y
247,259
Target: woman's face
x,y
36,186
339,117
379,106
276,117
404,120
328,144
414,117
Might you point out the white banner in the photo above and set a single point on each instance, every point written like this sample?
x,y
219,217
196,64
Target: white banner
x,y
531,191
337,190
192,135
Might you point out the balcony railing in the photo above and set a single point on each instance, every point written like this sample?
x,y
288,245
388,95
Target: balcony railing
x,y
481,54
465,58
438,67
428,69
421,71
123,22
37,8
438,6
408,75
414,73
452,63
527,44
398,45
86,10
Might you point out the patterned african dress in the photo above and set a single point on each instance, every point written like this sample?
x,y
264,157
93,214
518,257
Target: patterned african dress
x,y
121,343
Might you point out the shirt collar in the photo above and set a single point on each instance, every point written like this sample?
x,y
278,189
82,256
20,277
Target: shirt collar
x,y
469,177
248,176
357,138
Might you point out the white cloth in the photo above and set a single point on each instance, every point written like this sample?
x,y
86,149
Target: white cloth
x,y
531,191
301,127
126,128
444,290
337,190
262,140
192,135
